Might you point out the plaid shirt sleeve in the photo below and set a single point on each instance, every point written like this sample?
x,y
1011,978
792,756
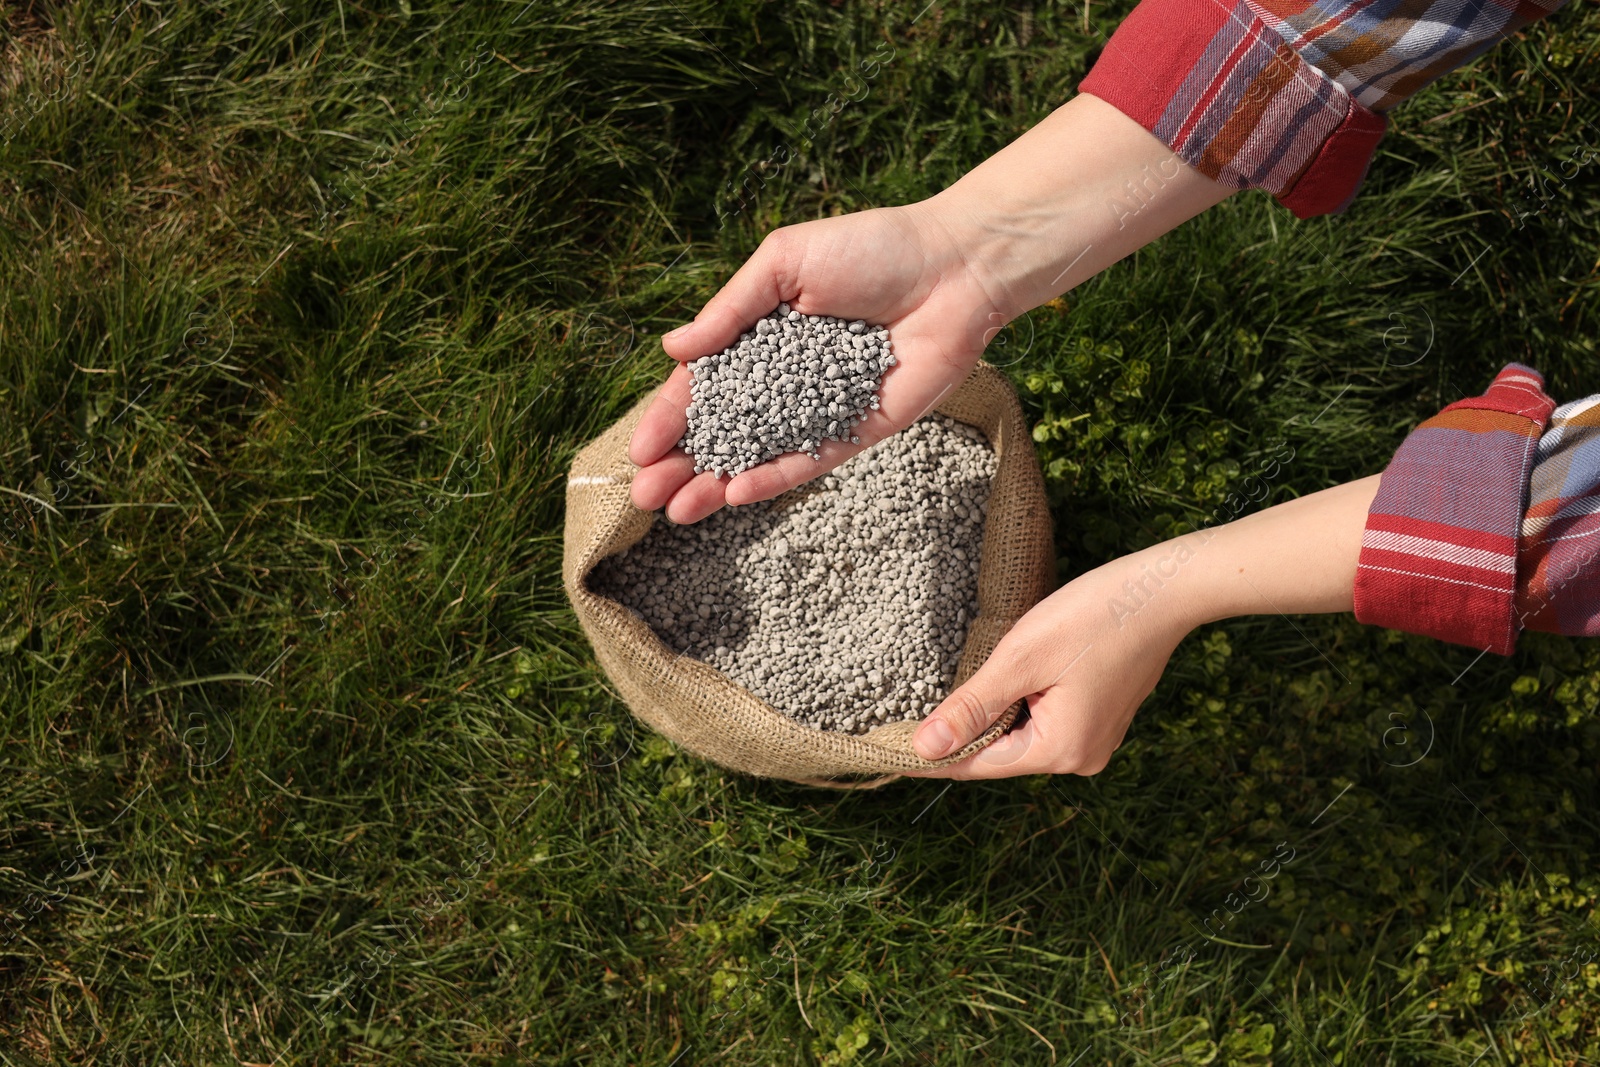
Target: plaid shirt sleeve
x,y
1487,521
1289,96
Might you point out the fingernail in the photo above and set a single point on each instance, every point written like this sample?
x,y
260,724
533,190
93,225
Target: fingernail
x,y
681,329
934,740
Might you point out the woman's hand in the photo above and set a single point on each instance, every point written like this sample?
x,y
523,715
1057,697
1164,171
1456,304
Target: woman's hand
x,y
1073,195
1085,658
899,267
1088,655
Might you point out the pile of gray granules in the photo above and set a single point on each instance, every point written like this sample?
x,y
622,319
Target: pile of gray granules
x,y
843,603
790,383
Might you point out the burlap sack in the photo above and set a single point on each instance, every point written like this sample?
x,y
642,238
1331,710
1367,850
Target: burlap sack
x,y
707,713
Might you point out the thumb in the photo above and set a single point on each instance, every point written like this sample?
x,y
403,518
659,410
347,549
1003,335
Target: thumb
x,y
767,279
973,707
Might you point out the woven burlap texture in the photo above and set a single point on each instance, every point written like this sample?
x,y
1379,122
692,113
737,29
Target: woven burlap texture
x,y
710,715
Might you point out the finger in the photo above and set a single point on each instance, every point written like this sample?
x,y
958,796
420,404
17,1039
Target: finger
x,y
779,475
658,483
704,494
663,424
966,713
767,279
1010,755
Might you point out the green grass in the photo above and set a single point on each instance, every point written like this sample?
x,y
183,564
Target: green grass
x,y
288,780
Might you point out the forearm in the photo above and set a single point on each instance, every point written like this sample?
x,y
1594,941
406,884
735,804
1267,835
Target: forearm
x,y
1296,558
1073,195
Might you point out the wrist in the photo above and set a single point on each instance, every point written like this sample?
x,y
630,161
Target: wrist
x,y
1150,594
1075,194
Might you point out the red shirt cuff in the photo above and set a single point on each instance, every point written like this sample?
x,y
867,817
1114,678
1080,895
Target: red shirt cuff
x,y
1440,551
1232,99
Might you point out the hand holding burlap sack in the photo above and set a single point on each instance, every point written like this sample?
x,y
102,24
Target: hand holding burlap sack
x,y
713,717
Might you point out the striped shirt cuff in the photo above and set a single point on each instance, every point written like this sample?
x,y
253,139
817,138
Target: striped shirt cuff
x,y
1440,552
1215,82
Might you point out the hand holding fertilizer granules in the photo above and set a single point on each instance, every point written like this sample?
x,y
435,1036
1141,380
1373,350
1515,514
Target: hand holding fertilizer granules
x,y
844,603
788,384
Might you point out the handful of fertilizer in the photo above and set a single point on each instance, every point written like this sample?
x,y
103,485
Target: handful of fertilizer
x,y
787,385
